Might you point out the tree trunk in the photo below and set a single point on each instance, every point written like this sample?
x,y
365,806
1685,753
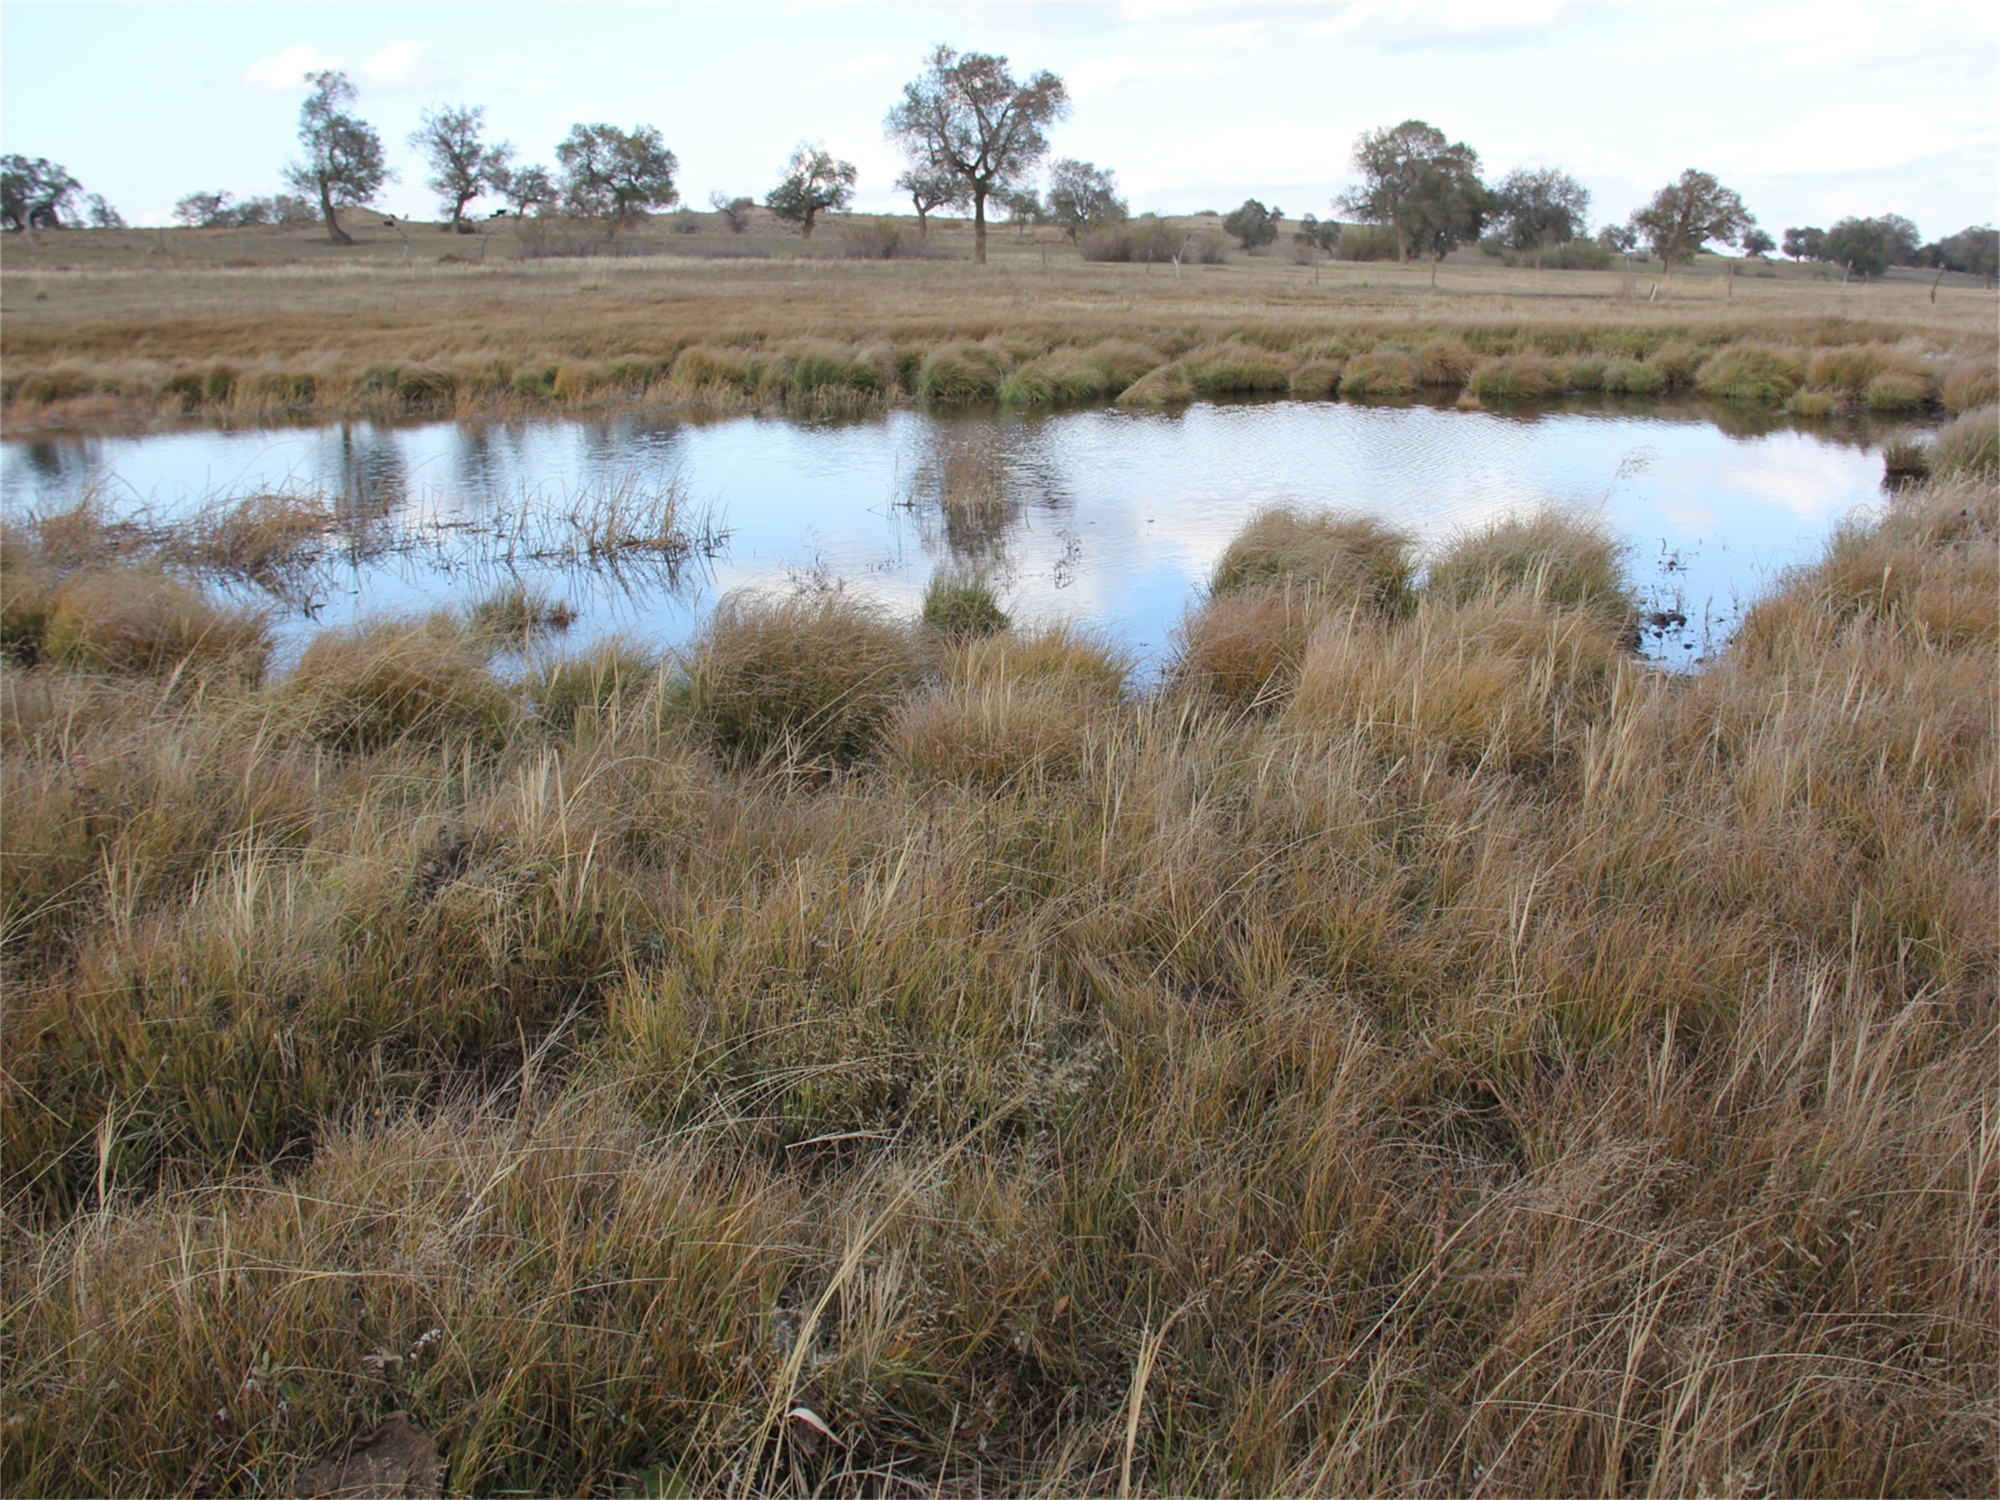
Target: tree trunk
x,y
923,223
1402,245
979,226
1436,256
806,224
334,232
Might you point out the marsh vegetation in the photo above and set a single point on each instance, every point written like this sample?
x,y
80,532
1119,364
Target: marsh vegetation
x,y
1437,1053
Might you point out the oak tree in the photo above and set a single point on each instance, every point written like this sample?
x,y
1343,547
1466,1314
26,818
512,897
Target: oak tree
x,y
616,175
1083,197
814,182
1687,214
343,165
967,115
462,165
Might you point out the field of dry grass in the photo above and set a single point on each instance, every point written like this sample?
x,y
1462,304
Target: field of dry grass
x,y
1440,1056
252,324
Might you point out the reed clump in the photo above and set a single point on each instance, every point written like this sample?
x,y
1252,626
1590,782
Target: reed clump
x,y
958,604
1744,372
1968,445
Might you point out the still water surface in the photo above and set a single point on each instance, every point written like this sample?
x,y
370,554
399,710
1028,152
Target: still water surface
x,y
1115,518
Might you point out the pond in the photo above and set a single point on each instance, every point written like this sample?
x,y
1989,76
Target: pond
x,y
1109,517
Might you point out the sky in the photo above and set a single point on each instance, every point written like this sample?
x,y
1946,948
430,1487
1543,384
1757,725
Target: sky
x,y
1811,111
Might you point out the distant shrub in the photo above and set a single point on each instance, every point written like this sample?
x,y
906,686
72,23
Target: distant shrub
x,y
961,373
960,604
815,674
1332,559
1969,444
1634,377
127,620
1380,372
386,682
885,239
1317,379
1365,242
1745,372
1969,384
1896,390
1517,377
1209,249
1564,559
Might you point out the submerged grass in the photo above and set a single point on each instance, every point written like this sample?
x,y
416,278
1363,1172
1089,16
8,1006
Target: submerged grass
x,y
1495,1067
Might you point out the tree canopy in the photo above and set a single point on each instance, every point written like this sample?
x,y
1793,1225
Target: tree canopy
x,y
1424,187
1253,225
1539,207
1868,247
1082,196
35,193
462,165
969,116
929,189
813,183
616,175
1804,242
1687,214
343,165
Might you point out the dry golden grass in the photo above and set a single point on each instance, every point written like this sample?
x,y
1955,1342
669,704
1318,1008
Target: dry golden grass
x,y
1505,1068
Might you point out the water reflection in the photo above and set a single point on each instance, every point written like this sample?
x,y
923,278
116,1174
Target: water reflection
x,y
1108,515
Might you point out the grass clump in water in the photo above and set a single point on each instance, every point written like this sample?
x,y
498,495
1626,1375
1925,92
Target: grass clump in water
x,y
1970,384
1336,561
1566,559
514,612
959,604
1897,390
1380,372
808,674
1744,372
1517,377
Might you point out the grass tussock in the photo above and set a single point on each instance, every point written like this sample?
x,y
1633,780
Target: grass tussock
x,y
807,676
1562,558
1968,445
1380,372
422,682
1518,377
1501,1068
1744,372
128,620
1969,385
1334,560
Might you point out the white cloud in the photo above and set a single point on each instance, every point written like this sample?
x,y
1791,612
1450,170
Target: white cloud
x,y
867,65
1102,75
400,66
1448,23
285,72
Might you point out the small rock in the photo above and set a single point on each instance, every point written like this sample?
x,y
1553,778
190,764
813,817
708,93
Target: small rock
x,y
397,1461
